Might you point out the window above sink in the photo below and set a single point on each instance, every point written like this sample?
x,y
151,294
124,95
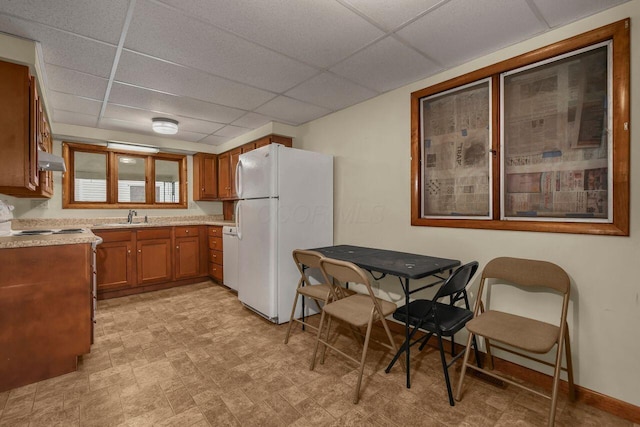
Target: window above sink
x,y
101,177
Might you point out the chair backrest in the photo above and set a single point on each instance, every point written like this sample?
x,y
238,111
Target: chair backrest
x,y
458,281
526,272
346,272
309,259
306,259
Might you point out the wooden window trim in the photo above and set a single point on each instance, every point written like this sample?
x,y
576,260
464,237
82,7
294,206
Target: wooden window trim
x,y
68,178
618,32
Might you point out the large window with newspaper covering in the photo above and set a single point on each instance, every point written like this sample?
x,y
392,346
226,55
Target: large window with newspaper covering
x,y
539,142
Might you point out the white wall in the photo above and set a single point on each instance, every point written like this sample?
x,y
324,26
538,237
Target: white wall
x,y
371,145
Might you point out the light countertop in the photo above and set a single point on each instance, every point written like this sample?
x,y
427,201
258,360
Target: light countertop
x,y
89,224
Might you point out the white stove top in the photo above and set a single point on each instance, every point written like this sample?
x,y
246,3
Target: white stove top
x,y
47,232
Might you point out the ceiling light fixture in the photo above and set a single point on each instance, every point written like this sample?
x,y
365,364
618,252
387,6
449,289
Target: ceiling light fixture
x,y
164,125
131,147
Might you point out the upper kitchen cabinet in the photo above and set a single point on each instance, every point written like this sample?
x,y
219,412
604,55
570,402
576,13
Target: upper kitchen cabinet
x,y
226,173
44,142
273,139
19,121
228,161
205,176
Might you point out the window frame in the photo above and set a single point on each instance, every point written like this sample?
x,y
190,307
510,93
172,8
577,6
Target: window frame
x,y
68,178
618,33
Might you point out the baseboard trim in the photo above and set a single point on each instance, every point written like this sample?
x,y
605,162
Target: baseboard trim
x,y
601,401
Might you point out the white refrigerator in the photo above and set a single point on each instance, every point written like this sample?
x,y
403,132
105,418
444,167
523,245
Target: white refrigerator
x,y
285,203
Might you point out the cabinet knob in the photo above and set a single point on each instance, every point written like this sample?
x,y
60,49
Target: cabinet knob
x,y
177,247
139,251
129,251
187,231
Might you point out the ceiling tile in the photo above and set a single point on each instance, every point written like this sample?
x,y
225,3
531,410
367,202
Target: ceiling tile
x,y
62,48
101,20
462,30
558,13
321,33
170,104
143,117
330,91
76,83
160,75
70,118
160,32
75,104
388,14
386,65
292,111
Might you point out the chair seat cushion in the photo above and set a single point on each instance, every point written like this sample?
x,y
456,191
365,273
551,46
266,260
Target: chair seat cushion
x,y
356,309
318,292
451,318
517,331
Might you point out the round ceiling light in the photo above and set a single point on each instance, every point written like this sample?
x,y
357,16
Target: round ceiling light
x,y
164,125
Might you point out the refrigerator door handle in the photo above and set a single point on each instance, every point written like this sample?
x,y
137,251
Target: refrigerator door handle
x,y
238,179
237,216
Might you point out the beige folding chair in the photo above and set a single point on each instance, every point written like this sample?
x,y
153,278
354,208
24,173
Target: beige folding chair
x,y
523,333
357,310
319,293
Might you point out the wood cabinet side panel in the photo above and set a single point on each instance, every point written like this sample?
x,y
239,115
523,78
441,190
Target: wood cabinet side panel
x,y
45,311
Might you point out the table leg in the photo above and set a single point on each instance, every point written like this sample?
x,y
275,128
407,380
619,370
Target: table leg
x,y
406,331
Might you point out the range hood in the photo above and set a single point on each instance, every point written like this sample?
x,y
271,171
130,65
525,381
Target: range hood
x,y
50,162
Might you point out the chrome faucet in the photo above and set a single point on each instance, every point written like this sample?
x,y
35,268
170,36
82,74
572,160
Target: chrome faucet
x,y
132,213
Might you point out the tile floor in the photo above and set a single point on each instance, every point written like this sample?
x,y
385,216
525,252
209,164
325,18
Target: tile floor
x,y
193,356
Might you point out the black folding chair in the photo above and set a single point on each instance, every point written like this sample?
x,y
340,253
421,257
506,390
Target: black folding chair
x,y
443,320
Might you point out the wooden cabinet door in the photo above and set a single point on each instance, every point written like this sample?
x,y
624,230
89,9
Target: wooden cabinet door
x,y
234,158
187,257
115,265
18,111
248,147
262,142
205,176
154,261
45,188
224,185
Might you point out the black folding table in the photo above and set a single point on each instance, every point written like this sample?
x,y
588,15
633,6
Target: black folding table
x,y
403,265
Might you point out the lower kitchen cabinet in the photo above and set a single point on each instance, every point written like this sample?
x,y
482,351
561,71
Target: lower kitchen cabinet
x,y
135,260
187,255
46,306
115,261
154,256
215,253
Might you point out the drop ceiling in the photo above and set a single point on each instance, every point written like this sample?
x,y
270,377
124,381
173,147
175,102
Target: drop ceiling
x,y
225,67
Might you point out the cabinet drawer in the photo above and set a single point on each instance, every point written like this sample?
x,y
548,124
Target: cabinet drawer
x,y
114,236
215,271
215,243
155,233
187,231
215,256
215,231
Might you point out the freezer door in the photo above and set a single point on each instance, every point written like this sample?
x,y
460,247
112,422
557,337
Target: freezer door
x,y
256,228
256,173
